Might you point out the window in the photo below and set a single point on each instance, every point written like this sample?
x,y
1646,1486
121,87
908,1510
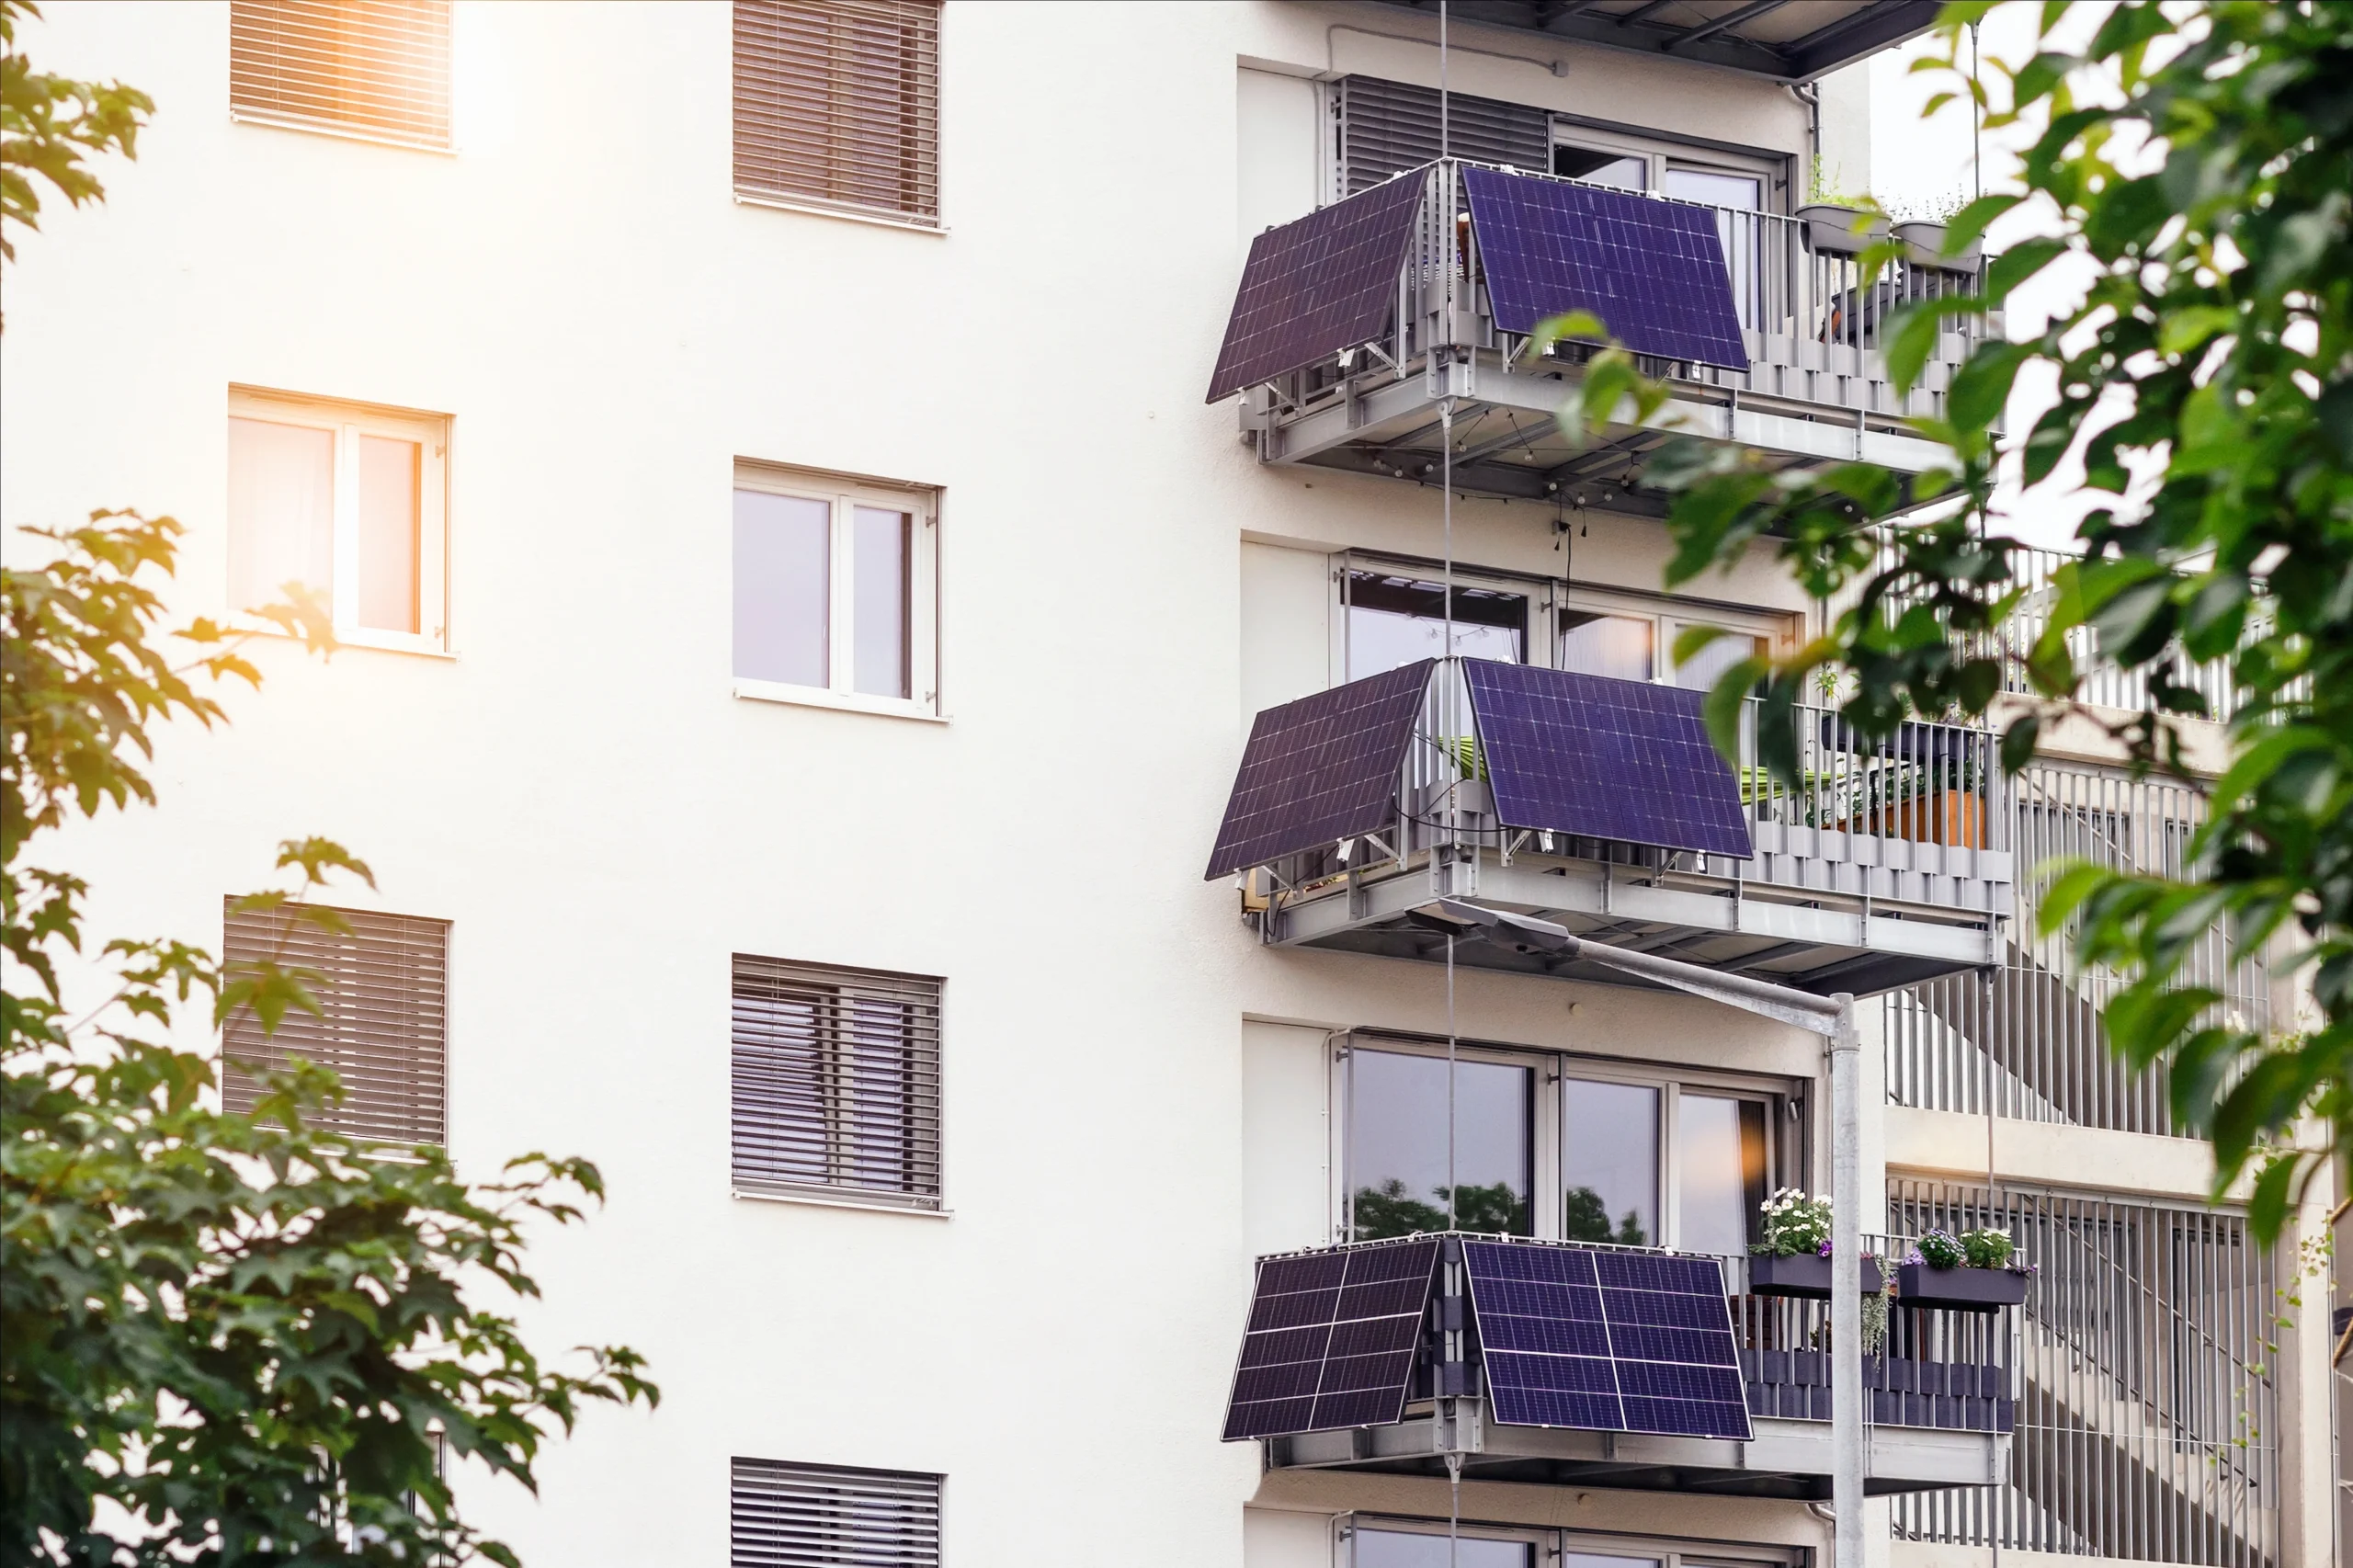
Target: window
x,y
1574,1149
378,69
384,995
1395,620
807,1516
837,106
1622,647
1382,127
1629,638
835,1083
347,501
1366,1542
835,592
1620,171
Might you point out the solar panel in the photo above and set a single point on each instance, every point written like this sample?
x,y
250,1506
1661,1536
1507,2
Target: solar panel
x,y
1320,769
1314,287
1603,758
1331,1340
1605,1341
1653,271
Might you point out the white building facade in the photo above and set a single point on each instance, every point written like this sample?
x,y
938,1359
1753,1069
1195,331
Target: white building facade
x,y
801,623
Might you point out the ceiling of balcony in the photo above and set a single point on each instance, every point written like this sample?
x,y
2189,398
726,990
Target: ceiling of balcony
x,y
1786,41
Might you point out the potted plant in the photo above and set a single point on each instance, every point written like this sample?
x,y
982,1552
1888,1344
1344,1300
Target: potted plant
x,y
1794,1257
1977,1271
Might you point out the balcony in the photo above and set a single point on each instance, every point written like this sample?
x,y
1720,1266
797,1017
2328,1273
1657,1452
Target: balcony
x,y
1602,806
1344,360
1939,1413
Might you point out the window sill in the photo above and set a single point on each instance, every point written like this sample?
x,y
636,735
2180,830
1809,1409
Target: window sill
x,y
348,637
340,132
837,1201
841,702
819,209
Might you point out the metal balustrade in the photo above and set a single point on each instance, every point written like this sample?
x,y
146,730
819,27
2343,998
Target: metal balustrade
x,y
2148,1413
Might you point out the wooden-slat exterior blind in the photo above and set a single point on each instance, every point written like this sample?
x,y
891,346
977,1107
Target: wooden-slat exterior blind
x,y
373,67
1387,126
385,996
835,1081
806,1515
837,104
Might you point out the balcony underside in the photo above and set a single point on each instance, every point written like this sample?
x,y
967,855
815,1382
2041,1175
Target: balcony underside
x,y
1823,945
1509,445
1785,1459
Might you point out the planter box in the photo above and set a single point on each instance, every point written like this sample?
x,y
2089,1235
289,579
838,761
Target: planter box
x,y
1952,817
1959,1289
1805,1275
1830,228
1924,245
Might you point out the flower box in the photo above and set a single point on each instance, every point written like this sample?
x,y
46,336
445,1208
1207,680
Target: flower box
x,y
1830,228
1924,245
1806,1275
1959,1289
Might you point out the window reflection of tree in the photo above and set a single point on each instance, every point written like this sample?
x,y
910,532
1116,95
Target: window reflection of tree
x,y
1389,1211
1584,1219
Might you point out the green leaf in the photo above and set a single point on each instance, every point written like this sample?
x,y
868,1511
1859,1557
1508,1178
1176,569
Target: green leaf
x,y
1981,390
2017,264
1968,225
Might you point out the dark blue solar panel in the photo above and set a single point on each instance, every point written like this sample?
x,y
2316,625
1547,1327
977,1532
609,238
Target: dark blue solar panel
x,y
1621,759
1321,769
1315,286
1653,271
1331,1340
1603,1341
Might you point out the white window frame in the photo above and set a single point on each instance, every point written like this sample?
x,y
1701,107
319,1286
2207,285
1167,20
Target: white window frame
x,y
843,494
1552,1543
1670,617
1551,1116
1660,154
350,422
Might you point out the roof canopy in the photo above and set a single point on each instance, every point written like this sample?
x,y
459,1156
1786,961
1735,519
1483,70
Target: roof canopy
x,y
1784,41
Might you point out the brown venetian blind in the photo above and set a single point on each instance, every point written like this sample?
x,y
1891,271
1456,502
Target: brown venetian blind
x,y
838,103
385,991
836,1080
379,67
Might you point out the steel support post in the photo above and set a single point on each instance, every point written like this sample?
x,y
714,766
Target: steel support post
x,y
1847,1285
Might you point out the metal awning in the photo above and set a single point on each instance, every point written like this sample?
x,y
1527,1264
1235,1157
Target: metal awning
x,y
1783,41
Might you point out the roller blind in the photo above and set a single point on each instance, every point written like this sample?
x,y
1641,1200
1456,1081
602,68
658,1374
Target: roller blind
x,y
383,990
1388,126
378,67
806,1515
838,103
836,1075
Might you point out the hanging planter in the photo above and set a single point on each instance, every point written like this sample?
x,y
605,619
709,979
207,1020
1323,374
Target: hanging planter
x,y
1961,1290
1831,229
1804,1275
1924,245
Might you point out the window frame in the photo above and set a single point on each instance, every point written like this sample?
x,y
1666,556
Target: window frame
x,y
1554,1542
843,494
350,422
1787,1152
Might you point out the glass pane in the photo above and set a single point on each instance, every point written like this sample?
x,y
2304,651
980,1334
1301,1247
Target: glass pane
x,y
783,545
879,618
1610,1162
1411,1549
1596,1560
388,481
1394,621
281,511
1742,191
1396,1144
1720,1159
1699,672
1619,171
1618,646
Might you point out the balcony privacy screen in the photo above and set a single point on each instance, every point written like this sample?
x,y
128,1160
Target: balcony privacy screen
x,y
384,992
806,1515
838,103
1389,126
374,67
835,1081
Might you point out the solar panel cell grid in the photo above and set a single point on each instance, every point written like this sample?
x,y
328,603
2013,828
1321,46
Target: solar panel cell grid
x,y
1646,1347
1615,759
1320,769
1332,1339
1315,286
1653,271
